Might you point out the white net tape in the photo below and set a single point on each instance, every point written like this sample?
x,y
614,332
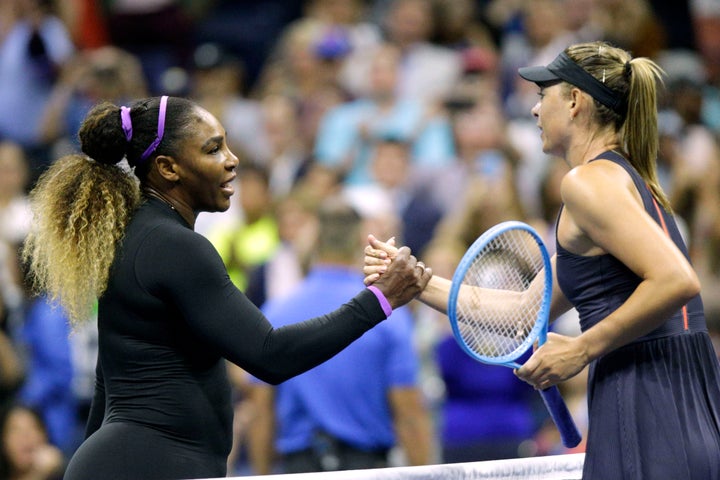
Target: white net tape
x,y
556,467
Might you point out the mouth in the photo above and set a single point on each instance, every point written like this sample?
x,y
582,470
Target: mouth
x,y
228,188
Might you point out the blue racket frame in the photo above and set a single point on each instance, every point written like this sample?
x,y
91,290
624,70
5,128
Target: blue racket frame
x,y
539,331
551,396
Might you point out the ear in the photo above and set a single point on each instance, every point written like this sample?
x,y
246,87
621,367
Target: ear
x,y
575,101
167,167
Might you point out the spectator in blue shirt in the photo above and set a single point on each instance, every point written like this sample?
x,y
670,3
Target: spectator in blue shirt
x,y
348,412
347,132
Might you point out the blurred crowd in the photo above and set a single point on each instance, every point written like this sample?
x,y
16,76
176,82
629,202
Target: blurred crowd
x,y
411,110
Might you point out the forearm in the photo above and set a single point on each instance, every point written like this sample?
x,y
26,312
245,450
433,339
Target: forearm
x,y
644,311
261,430
436,294
413,425
415,437
11,370
293,349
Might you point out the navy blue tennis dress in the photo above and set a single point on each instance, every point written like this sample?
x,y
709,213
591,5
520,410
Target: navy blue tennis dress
x,y
654,405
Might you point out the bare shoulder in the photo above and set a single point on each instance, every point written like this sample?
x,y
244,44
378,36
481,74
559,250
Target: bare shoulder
x,y
603,203
593,181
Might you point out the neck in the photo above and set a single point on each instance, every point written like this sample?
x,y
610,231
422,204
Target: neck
x,y
184,212
586,151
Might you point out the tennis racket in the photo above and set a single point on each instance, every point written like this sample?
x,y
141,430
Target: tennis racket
x,y
499,304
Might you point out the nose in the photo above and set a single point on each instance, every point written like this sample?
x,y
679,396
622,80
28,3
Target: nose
x,y
535,110
232,160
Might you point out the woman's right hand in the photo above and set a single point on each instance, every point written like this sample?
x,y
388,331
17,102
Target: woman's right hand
x,y
378,256
402,278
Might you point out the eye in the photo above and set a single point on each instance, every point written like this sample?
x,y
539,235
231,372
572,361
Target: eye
x,y
214,150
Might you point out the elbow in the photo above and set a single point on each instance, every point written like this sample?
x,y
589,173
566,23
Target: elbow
x,y
687,285
275,380
692,288
271,376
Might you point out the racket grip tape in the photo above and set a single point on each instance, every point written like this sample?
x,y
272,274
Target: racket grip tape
x,y
561,416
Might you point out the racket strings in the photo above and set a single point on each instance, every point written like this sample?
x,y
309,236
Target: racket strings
x,y
491,323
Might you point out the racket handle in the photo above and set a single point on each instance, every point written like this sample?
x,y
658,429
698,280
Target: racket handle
x,y
561,416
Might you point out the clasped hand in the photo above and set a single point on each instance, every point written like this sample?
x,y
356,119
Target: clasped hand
x,y
395,271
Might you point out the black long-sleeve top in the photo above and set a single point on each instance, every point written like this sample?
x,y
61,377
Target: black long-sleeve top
x,y
169,318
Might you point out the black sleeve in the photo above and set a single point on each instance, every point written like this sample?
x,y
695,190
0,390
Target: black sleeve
x,y
186,270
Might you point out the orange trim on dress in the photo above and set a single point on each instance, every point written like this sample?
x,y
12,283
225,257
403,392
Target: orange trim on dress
x,y
665,229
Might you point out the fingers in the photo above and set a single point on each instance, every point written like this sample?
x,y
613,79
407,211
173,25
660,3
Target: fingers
x,y
376,246
536,373
378,256
370,279
527,372
422,271
375,264
425,276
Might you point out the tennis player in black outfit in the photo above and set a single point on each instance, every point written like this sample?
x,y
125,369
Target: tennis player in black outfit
x,y
169,315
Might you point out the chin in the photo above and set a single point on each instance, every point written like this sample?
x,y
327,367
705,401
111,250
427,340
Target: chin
x,y
222,207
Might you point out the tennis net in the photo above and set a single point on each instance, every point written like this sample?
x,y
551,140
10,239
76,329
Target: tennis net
x,y
556,467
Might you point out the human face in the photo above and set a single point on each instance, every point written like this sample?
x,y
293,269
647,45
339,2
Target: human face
x,y
552,114
206,166
22,438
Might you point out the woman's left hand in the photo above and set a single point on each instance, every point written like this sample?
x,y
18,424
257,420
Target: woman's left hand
x,y
560,358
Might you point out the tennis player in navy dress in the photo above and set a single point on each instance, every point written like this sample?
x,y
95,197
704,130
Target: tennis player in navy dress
x,y
654,379
654,404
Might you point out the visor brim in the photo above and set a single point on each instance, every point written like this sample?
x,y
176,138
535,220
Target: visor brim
x,y
537,74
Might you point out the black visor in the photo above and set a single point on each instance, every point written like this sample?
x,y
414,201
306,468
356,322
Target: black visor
x,y
564,68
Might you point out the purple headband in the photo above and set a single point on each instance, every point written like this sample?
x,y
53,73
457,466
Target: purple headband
x,y
126,122
160,130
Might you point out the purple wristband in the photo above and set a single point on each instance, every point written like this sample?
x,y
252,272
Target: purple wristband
x,y
381,298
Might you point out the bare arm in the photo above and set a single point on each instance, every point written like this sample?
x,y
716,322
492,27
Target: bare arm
x,y
413,425
11,369
620,226
435,295
604,214
379,255
261,431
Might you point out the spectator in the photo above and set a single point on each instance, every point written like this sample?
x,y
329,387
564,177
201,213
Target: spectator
x,y
43,340
428,70
296,216
15,216
247,29
158,32
304,67
347,132
350,411
248,241
288,156
217,82
34,44
25,453
106,73
459,27
486,413
396,192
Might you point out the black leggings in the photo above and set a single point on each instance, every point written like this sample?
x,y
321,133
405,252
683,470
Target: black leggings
x,y
123,451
